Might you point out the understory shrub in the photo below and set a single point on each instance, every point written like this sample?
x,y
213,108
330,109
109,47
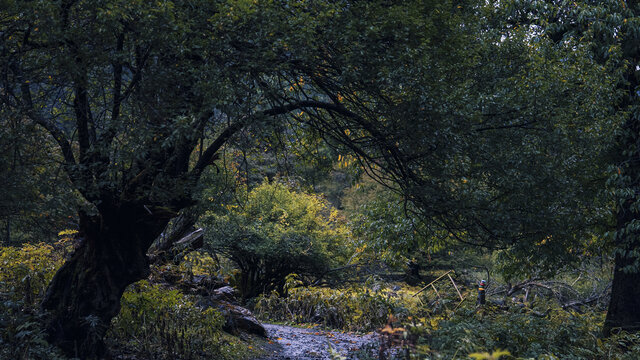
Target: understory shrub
x,y
24,276
160,323
154,322
27,270
354,308
274,232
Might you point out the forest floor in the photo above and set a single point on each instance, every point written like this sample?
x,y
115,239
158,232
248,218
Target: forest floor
x,y
288,342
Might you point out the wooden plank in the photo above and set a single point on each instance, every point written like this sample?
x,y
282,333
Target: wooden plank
x,y
434,289
460,303
454,285
429,284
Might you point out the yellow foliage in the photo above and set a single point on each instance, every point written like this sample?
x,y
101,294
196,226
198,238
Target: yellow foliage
x,y
27,270
493,356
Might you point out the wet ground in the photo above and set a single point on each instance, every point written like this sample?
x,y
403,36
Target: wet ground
x,y
292,343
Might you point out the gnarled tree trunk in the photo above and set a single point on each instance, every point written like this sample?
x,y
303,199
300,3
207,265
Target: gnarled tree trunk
x,y
85,293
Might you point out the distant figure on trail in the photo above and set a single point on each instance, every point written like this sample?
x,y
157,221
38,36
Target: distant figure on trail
x,y
481,293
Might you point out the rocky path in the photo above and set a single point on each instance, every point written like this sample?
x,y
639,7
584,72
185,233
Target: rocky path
x,y
300,343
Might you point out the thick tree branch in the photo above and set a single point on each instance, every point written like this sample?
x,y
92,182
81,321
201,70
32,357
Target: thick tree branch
x,y
83,118
117,81
119,95
65,146
180,153
58,136
388,150
209,155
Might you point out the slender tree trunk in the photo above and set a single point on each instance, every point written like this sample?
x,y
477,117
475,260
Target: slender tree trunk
x,y
8,232
412,274
246,282
85,293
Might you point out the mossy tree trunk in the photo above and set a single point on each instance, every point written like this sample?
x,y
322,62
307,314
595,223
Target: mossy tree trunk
x,y
85,293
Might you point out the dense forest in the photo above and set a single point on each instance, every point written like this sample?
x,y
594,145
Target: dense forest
x,y
326,179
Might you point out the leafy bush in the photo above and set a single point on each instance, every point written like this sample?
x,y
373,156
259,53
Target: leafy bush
x,y
159,323
26,272
353,308
382,221
276,231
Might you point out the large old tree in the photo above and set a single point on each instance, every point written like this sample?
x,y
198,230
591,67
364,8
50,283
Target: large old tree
x,y
128,90
491,133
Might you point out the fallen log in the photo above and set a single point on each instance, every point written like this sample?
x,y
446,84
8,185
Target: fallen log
x,y
174,254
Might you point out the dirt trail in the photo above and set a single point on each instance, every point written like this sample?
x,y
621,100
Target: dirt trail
x,y
299,343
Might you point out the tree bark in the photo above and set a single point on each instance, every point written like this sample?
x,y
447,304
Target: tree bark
x,y
412,273
250,281
84,295
623,311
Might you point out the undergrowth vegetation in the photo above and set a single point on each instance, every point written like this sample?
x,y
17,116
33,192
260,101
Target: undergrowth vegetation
x,y
355,308
431,327
155,322
26,272
21,336
559,334
162,323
